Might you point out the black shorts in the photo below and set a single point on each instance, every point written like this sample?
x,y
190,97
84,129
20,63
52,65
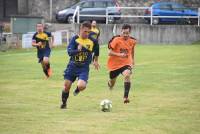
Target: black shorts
x,y
115,73
43,53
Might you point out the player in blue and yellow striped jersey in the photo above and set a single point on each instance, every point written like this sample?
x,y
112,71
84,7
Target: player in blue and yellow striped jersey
x,y
81,49
43,41
95,32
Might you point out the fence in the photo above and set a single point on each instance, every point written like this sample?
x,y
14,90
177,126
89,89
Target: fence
x,y
1,34
151,16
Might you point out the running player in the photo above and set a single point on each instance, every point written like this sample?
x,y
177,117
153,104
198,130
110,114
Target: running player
x,y
80,50
43,41
121,59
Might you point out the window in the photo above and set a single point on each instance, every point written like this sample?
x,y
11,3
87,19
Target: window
x,y
100,4
165,7
111,4
87,4
178,7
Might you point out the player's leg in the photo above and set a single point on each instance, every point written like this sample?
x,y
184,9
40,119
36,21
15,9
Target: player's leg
x,y
82,80
113,77
69,77
65,93
127,83
40,60
44,68
111,83
81,85
47,62
47,66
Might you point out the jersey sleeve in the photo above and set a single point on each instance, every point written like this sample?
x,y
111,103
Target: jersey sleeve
x,y
113,44
134,41
34,37
96,48
49,34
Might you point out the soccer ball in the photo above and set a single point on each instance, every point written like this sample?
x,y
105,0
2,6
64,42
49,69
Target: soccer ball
x,y
106,105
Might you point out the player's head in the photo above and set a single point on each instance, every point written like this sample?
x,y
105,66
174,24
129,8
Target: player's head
x,y
126,29
39,27
94,23
85,29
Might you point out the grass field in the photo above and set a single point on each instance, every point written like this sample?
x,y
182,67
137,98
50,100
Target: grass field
x,y
165,98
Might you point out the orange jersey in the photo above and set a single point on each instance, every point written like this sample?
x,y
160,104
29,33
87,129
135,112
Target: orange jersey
x,y
120,45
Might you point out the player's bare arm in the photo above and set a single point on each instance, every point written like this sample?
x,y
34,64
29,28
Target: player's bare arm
x,y
51,42
133,53
96,63
34,44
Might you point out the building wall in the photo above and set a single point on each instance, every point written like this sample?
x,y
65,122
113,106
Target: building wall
x,y
156,34
145,34
23,7
42,7
8,8
1,10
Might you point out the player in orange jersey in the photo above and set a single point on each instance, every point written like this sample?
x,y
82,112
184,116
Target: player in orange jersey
x,y
121,59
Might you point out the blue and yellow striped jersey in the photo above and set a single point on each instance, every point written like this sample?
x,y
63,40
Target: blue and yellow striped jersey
x,y
90,46
42,37
94,33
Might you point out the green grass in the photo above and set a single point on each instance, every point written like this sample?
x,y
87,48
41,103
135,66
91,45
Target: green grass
x,y
165,98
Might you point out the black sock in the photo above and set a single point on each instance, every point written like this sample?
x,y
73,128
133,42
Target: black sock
x,y
47,66
65,96
127,86
45,71
77,90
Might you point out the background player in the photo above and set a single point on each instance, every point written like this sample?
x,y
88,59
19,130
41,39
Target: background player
x,y
95,32
43,41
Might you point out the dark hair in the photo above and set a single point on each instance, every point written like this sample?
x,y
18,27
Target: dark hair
x,y
39,23
126,26
86,24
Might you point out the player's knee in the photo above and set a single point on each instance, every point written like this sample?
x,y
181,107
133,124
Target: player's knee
x,y
81,85
81,88
46,60
127,79
67,87
127,73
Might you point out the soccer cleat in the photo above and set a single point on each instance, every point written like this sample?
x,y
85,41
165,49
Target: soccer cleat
x,y
63,106
49,72
46,74
126,100
75,93
109,85
46,77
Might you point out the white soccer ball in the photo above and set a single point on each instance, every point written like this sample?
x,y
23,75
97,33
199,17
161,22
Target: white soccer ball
x,y
106,105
